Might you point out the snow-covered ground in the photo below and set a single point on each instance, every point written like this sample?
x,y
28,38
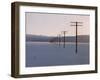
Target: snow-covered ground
x,y
51,54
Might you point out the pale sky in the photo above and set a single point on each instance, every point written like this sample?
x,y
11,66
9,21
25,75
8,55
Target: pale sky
x,y
54,24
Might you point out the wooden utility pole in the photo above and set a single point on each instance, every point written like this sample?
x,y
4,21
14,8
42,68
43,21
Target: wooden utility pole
x,y
64,38
59,40
76,24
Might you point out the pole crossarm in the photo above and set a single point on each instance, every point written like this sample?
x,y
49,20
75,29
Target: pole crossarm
x,y
75,25
63,32
76,21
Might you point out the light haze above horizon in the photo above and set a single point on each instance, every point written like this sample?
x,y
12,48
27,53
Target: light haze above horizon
x,y
53,24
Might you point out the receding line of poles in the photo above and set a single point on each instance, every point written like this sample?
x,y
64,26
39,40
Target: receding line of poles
x,y
59,39
64,38
76,24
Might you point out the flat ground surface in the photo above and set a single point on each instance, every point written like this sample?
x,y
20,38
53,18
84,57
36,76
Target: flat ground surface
x,y
40,54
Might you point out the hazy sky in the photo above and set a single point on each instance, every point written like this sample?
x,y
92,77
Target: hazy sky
x,y
54,24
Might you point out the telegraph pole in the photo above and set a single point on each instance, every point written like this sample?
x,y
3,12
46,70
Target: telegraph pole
x,y
76,24
64,38
59,40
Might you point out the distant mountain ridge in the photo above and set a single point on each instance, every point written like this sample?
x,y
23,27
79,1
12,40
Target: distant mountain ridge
x,y
42,38
38,38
